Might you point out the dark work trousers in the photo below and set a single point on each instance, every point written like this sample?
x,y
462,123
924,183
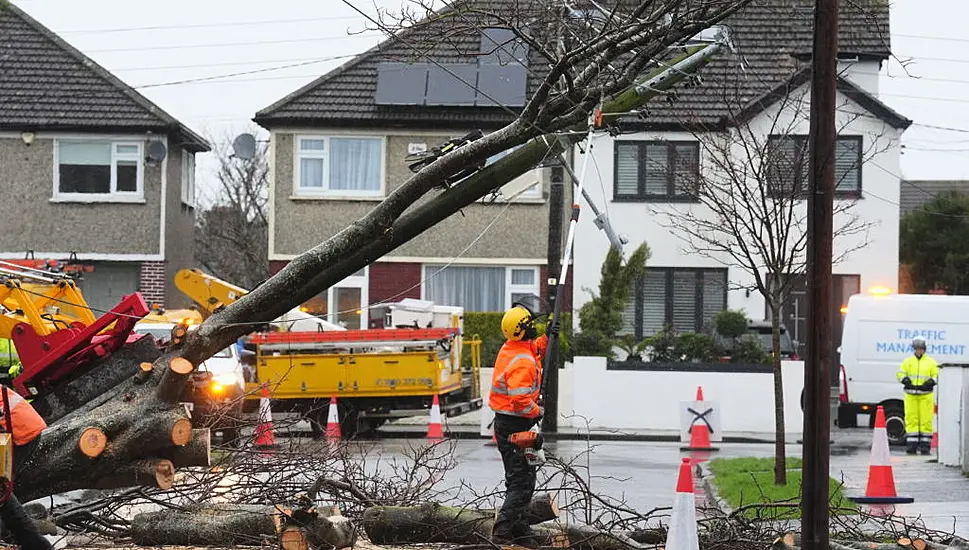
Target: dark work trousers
x,y
519,477
12,512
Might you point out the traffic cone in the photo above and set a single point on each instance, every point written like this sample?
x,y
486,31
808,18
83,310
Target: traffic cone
x,y
333,421
881,480
434,428
264,430
682,530
699,432
935,427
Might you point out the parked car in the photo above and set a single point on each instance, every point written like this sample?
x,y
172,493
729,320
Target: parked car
x,y
760,331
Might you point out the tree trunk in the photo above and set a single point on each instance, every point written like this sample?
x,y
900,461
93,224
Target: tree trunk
x,y
780,457
136,436
230,525
433,522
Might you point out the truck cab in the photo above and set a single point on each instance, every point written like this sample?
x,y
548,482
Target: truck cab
x,y
877,337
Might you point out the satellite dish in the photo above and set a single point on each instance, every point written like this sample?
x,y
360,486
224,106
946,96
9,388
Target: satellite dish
x,y
157,151
244,146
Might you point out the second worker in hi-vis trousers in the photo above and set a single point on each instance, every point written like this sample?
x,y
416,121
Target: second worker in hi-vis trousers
x,y
918,374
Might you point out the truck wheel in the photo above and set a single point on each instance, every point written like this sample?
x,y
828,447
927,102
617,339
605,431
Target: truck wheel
x,y
894,423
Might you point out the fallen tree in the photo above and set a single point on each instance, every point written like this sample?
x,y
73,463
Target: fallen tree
x,y
121,423
433,522
137,436
233,524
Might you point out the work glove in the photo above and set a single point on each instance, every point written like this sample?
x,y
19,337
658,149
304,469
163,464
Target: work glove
x,y
907,382
554,328
928,385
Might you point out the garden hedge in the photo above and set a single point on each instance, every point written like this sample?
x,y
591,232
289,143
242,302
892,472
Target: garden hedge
x,y
487,326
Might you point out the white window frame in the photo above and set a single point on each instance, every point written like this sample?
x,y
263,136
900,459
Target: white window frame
x,y
361,282
509,287
325,192
188,178
113,195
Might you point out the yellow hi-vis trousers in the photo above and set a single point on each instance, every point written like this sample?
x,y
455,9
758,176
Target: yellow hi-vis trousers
x,y
919,410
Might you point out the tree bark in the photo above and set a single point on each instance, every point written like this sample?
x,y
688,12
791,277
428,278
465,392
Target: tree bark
x,y
92,388
433,522
230,525
780,457
134,438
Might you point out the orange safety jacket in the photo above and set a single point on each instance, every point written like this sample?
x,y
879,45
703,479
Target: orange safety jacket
x,y
516,382
27,424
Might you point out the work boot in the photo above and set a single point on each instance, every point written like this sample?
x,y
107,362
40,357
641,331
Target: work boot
x,y
911,449
925,450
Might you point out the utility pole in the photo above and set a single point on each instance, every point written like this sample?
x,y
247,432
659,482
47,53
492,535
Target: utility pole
x,y
556,206
820,214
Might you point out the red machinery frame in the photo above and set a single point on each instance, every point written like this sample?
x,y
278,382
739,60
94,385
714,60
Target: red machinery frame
x,y
47,359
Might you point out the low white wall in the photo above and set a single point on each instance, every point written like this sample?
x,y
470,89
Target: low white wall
x,y
649,400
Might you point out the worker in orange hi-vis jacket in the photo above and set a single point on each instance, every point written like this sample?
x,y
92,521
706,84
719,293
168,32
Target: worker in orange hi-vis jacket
x,y
516,400
25,426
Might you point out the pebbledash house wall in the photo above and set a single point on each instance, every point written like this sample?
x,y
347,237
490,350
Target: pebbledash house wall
x,y
298,223
101,232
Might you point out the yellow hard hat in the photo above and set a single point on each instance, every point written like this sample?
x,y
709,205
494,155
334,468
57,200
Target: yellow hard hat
x,y
516,322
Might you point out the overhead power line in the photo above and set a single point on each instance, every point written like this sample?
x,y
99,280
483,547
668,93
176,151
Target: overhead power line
x,y
236,44
209,25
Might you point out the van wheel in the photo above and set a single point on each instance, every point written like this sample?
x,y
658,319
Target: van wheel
x,y
894,423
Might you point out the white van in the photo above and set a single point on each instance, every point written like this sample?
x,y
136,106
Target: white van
x,y
877,337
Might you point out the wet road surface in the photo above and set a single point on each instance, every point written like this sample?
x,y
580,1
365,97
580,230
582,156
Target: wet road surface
x,y
643,474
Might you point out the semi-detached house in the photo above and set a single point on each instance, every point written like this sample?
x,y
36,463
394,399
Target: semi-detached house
x,y
91,168
337,147
644,170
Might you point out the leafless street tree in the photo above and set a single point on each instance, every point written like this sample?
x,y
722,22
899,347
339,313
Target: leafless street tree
x,y
749,209
232,235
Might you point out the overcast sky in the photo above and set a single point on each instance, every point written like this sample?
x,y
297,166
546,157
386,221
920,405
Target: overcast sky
x,y
182,40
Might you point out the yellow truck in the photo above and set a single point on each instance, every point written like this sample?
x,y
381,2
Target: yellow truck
x,y
375,374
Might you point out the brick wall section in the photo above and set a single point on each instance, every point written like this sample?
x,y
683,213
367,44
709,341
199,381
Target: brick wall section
x,y
392,281
567,301
152,283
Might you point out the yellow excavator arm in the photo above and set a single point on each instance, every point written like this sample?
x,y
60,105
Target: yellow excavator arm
x,y
46,303
209,293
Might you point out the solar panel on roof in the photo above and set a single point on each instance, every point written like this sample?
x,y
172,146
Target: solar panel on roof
x,y
401,83
451,84
504,84
501,46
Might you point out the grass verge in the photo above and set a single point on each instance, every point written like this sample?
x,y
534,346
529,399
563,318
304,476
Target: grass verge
x,y
747,484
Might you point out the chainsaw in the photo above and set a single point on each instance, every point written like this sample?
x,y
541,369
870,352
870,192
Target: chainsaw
x,y
530,443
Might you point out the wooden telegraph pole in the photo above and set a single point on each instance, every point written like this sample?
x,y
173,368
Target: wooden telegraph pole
x,y
556,207
820,209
